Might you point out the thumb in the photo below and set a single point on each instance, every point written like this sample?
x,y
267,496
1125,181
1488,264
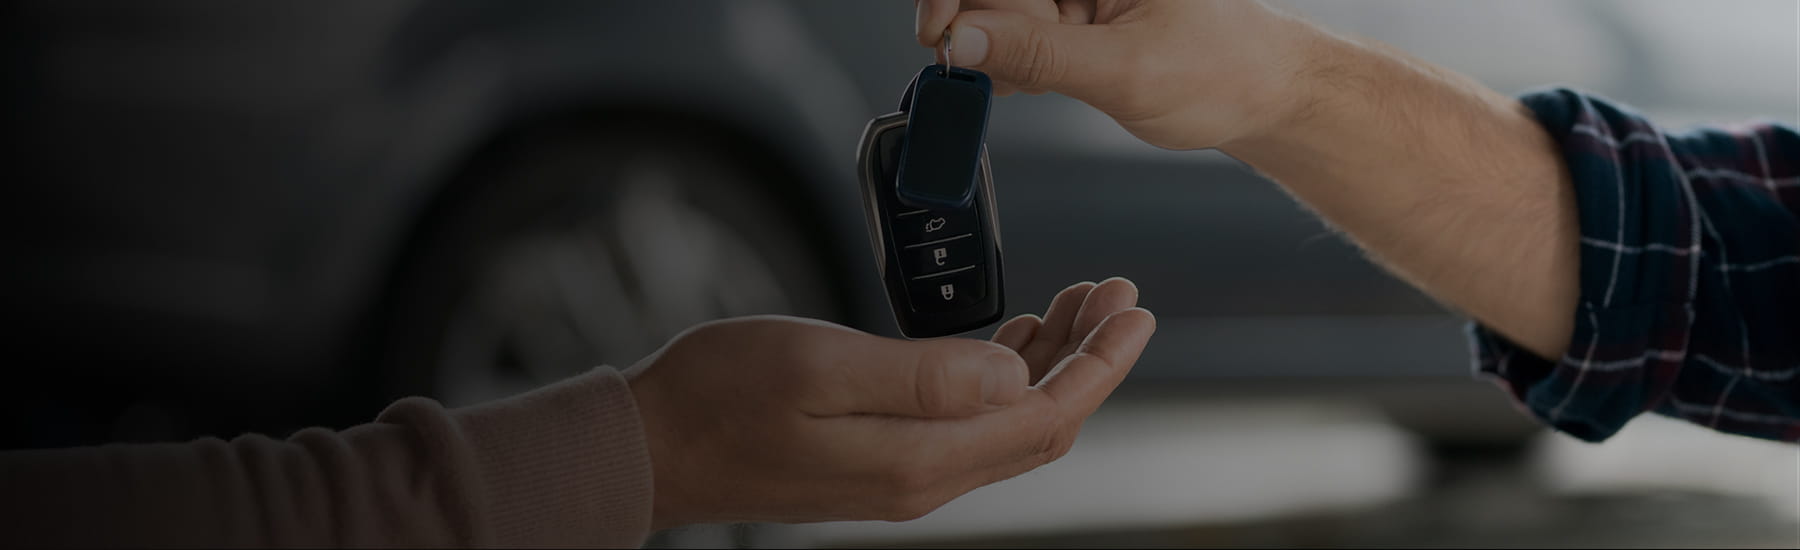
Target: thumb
x,y
1029,52
949,377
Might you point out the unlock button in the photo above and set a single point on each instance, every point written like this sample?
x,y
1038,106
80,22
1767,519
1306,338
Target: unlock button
x,y
941,255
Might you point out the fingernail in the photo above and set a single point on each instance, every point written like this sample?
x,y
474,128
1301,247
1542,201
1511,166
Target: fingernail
x,y
921,14
970,46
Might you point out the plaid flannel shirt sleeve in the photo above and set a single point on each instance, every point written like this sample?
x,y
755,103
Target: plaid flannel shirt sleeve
x,y
1690,278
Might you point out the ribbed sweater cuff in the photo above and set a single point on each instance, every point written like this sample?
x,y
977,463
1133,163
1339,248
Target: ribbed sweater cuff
x,y
564,465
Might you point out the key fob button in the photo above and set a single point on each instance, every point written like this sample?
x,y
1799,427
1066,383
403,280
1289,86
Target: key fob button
x,y
949,290
919,226
942,255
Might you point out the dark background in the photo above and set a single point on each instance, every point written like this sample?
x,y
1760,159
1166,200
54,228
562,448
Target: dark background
x,y
228,217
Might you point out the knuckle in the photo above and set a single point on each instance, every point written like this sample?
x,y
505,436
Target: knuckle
x,y
1045,443
1063,445
1055,443
1040,57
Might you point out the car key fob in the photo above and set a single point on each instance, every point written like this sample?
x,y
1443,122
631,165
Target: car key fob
x,y
936,236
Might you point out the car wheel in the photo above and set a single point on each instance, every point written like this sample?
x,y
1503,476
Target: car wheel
x,y
563,249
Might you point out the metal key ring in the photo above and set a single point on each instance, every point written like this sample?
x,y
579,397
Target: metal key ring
x,y
947,48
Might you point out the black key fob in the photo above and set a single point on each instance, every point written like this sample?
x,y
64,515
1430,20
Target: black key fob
x,y
928,192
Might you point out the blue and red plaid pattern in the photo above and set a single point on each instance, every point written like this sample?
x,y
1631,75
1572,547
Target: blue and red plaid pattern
x,y
1690,277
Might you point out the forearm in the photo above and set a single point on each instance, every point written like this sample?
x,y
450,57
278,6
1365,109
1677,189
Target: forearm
x,y
1451,186
563,465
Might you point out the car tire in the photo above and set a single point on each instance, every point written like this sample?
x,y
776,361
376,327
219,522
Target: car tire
x,y
565,247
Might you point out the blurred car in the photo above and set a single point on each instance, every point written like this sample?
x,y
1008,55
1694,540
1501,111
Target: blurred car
x,y
267,216
264,216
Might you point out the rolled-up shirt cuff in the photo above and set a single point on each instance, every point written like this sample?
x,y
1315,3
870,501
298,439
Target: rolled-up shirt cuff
x,y
1610,374
1638,248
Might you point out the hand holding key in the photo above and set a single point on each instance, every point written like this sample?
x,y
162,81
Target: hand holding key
x,y
1179,74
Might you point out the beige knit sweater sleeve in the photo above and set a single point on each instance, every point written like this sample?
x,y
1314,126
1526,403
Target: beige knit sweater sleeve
x,y
564,465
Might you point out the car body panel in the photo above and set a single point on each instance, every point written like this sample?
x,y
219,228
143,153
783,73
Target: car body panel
x,y
239,180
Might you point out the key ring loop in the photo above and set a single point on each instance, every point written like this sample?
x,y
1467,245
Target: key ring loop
x,y
947,48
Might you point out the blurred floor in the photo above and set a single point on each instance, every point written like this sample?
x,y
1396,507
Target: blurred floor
x,y
1163,471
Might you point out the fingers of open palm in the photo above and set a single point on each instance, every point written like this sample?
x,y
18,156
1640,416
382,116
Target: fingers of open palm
x,y
1018,332
1039,429
1110,296
1085,378
959,455
926,462
1059,318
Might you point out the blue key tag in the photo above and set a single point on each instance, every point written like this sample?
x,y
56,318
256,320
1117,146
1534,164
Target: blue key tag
x,y
948,112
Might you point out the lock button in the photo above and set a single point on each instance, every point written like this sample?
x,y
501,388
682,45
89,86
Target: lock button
x,y
948,290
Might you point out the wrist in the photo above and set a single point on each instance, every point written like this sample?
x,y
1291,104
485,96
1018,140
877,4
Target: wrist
x,y
1305,70
1337,91
664,509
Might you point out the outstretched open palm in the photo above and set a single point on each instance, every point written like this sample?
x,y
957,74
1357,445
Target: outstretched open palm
x,y
1072,316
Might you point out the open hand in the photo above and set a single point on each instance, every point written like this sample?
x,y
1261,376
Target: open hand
x,y
773,418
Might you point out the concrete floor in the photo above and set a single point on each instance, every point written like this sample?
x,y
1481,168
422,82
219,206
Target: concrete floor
x,y
1172,472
